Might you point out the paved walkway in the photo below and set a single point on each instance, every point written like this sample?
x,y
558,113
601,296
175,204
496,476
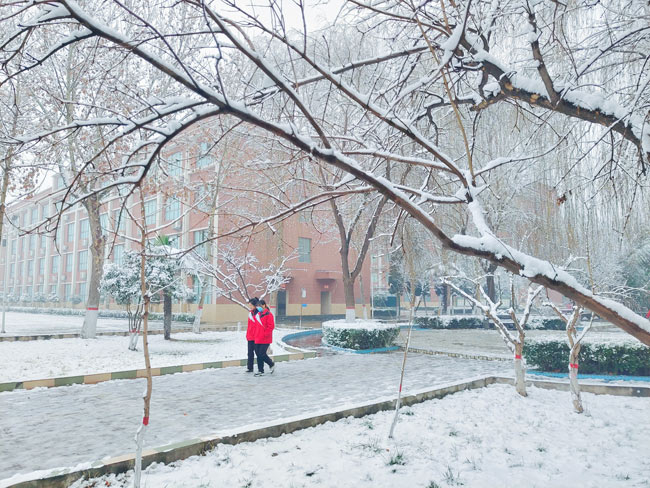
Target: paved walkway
x,y
47,428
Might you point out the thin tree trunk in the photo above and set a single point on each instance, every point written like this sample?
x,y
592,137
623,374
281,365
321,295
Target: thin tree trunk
x,y
520,370
573,379
139,437
196,325
167,315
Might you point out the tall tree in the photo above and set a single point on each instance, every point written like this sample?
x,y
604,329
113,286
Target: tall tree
x,y
432,66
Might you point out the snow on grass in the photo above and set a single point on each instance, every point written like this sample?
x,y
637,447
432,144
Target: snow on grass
x,y
358,324
71,357
479,438
20,323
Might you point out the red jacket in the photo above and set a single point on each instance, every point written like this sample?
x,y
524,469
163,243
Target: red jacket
x,y
264,333
647,316
253,324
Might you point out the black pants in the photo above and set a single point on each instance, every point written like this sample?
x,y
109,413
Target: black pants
x,y
251,355
262,357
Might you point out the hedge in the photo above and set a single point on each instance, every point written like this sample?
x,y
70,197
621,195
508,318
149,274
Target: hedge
x,y
625,359
113,314
479,321
358,336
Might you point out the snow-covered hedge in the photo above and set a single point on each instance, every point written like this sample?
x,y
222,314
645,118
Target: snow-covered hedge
x,y
478,321
625,359
113,314
361,334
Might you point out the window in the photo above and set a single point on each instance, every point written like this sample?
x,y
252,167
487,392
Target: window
x,y
84,229
41,266
305,215
304,250
34,215
55,264
204,156
175,166
43,241
30,268
103,222
199,238
172,209
82,291
68,263
13,246
122,221
32,242
67,291
12,270
83,260
118,254
52,289
28,291
69,232
150,213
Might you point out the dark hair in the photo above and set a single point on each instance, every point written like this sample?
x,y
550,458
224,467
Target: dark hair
x,y
263,303
254,301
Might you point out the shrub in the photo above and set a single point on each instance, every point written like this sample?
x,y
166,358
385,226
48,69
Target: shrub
x,y
625,359
359,335
75,299
480,322
451,322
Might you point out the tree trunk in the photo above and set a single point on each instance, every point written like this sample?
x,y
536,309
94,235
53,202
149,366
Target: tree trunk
x,y
348,289
89,328
445,300
573,379
139,437
167,315
520,370
196,325
491,287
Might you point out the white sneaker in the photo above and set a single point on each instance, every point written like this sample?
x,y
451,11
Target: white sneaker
x,y
259,373
273,368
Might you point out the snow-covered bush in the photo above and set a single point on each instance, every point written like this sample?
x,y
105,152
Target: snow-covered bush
x,y
26,299
76,299
627,359
40,298
478,322
451,322
53,298
362,334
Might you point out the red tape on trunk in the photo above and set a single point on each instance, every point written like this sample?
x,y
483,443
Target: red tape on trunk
x,y
517,356
574,366
92,308
145,420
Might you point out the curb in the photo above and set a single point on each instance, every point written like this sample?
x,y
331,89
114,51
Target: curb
x,y
455,354
91,379
75,335
63,477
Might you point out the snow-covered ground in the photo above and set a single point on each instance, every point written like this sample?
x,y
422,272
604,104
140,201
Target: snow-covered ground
x,y
19,323
26,360
490,343
52,427
483,438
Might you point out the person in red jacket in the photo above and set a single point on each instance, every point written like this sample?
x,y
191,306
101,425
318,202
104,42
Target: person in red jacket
x,y
647,316
264,337
251,330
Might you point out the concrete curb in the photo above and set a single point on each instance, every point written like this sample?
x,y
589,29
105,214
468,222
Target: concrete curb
x,y
74,335
455,354
91,379
61,478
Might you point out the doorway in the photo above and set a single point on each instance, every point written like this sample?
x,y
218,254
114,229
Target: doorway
x,y
325,303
